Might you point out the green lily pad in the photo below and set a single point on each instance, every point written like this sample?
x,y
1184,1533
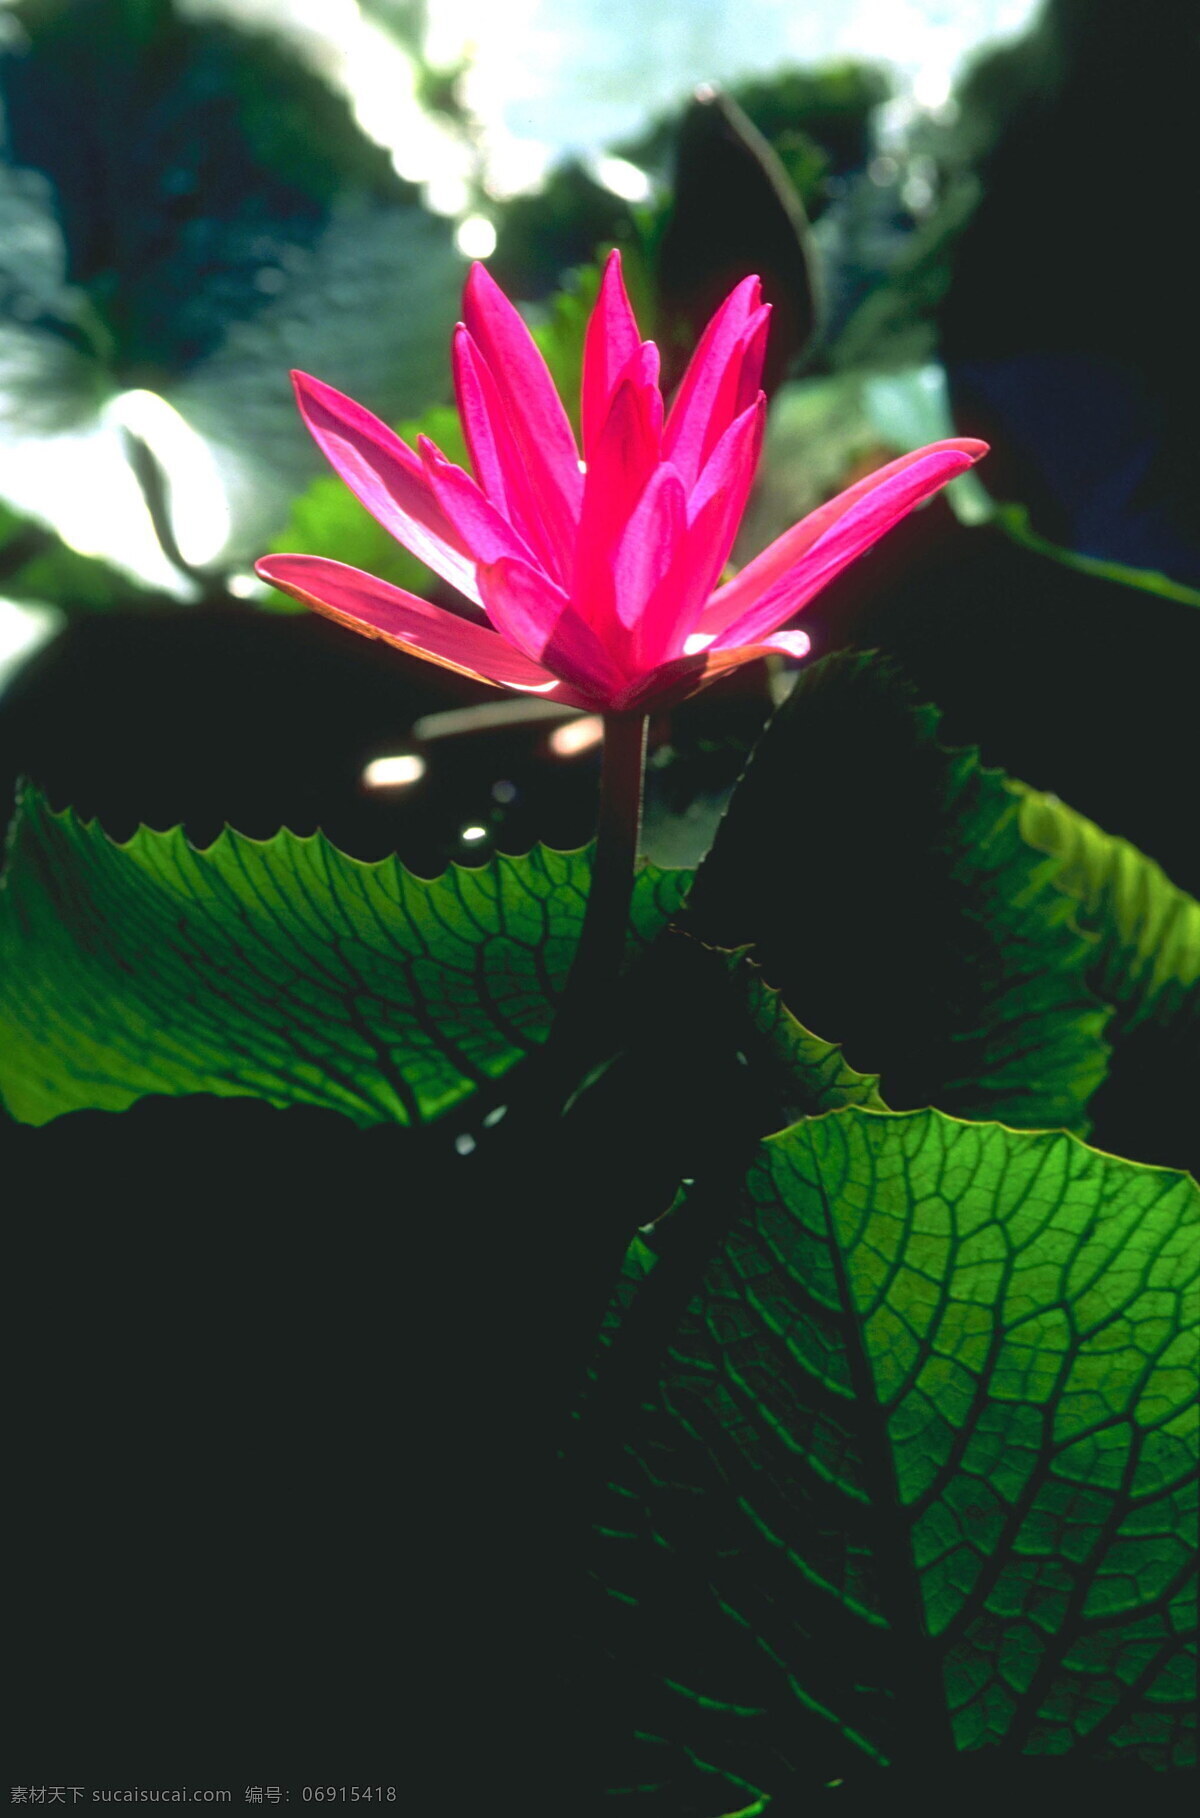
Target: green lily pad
x,y
915,1473
279,969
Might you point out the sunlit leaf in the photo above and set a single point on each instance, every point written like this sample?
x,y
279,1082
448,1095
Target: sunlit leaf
x,y
916,1471
52,344
371,310
278,969
1147,958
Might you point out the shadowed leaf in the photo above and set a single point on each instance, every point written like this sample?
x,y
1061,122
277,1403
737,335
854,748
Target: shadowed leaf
x,y
890,895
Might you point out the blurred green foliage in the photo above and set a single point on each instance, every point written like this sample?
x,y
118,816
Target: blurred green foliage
x,y
816,121
198,153
36,566
216,216
831,108
213,217
540,236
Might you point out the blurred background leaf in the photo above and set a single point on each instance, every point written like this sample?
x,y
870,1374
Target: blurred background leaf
x,y
734,211
36,565
215,216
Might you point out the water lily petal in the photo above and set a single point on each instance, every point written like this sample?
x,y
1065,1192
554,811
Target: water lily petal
x,y
733,391
706,401
532,407
499,465
533,613
485,532
599,580
716,506
610,344
649,580
481,415
642,372
753,355
676,681
804,559
368,605
625,456
385,474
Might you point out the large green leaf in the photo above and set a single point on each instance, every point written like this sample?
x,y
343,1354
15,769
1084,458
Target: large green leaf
x,y
914,1473
279,969
820,1077
1146,964
888,891
1147,959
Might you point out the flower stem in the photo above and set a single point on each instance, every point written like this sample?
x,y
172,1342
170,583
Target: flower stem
x,y
588,994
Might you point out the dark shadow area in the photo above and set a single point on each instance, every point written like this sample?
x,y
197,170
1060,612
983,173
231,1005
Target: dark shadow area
x,y
283,1513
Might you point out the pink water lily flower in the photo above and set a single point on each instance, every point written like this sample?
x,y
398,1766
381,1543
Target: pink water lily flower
x,y
597,577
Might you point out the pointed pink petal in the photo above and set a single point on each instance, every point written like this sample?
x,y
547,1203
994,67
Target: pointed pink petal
x,y
650,540
481,415
676,681
707,399
697,549
611,342
649,578
754,353
499,465
475,520
536,418
536,615
716,506
798,564
385,474
368,605
625,456
740,379
733,388
643,371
